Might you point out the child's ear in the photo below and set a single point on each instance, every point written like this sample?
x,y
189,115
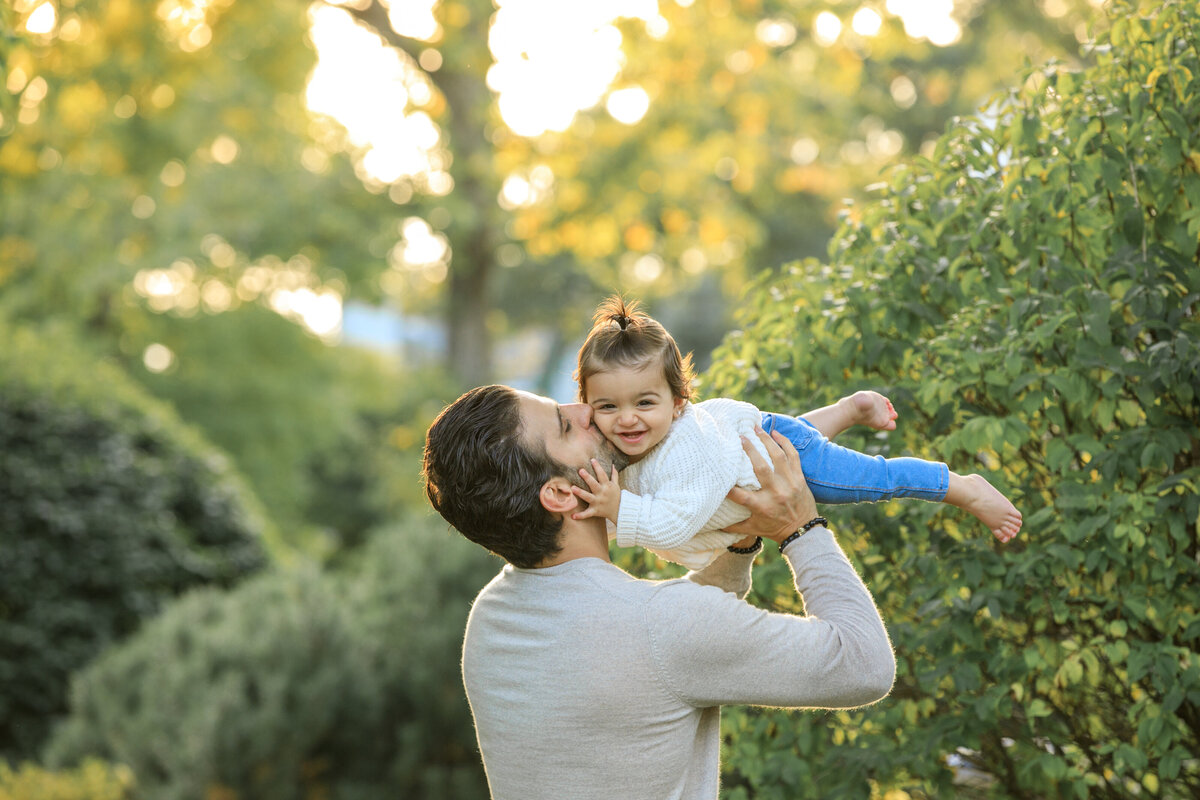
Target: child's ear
x,y
679,404
556,496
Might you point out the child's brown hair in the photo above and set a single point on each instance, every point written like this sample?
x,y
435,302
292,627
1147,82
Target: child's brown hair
x,y
624,336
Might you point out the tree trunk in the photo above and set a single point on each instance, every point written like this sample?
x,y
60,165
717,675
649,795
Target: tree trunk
x,y
462,82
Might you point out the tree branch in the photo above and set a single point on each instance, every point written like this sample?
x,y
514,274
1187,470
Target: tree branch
x,y
375,17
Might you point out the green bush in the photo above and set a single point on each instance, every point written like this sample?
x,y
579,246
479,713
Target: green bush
x,y
412,589
298,684
242,694
93,780
108,507
1027,297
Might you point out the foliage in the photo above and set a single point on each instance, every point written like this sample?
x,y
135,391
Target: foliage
x,y
298,684
93,780
321,433
701,187
162,184
755,131
171,136
412,589
240,692
109,506
1027,297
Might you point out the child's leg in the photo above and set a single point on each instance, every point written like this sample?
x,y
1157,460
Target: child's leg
x,y
837,474
973,494
861,408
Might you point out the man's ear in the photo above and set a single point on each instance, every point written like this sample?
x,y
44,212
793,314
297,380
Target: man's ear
x,y
556,496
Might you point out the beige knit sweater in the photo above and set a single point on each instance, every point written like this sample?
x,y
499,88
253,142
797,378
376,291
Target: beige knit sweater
x,y
588,683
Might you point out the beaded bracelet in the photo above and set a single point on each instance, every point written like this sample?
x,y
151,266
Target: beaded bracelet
x,y
745,551
812,523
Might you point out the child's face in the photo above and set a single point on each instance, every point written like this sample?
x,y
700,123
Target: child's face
x,y
632,407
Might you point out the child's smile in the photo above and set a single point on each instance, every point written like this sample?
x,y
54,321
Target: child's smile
x,y
633,407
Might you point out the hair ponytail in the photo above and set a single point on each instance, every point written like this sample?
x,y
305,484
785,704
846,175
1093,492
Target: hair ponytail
x,y
623,335
621,313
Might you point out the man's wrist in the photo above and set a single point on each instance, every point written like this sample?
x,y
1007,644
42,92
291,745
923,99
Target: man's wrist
x,y
803,529
746,546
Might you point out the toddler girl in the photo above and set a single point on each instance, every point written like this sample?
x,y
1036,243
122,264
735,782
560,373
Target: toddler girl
x,y
685,457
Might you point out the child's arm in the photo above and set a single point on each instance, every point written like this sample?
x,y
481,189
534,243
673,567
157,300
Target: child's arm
x,y
674,511
861,408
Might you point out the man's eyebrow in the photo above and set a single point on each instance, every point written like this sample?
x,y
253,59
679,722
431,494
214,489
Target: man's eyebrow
x,y
558,411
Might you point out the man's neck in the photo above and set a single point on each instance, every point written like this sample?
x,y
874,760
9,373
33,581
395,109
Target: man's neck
x,y
584,538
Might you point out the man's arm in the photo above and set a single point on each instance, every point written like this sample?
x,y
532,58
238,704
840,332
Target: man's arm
x,y
715,649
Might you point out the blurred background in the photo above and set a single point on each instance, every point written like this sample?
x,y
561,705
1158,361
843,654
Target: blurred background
x,y
249,249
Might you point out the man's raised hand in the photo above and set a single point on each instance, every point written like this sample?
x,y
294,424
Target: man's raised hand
x,y
784,502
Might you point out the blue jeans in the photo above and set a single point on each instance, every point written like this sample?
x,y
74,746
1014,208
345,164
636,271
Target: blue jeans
x,y
836,474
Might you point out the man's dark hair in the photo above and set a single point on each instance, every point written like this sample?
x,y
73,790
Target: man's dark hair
x,y
484,479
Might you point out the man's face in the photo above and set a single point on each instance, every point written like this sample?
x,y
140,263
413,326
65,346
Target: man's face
x,y
568,434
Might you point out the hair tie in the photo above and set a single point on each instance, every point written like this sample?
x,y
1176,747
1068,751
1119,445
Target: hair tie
x,y
622,320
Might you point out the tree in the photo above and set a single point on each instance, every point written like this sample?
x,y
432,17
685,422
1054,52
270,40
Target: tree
x,y
1027,296
164,191
109,507
737,162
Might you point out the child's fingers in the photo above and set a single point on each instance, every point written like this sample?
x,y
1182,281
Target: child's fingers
x,y
594,483
584,514
583,494
596,477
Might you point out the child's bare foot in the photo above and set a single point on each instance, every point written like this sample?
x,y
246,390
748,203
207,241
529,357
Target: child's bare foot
x,y
873,410
973,494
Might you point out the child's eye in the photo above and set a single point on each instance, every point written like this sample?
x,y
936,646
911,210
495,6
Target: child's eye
x,y
646,403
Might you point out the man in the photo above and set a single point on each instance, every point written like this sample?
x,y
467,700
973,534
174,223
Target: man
x,y
588,683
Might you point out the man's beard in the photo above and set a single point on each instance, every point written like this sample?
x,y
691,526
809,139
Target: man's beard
x,y
608,457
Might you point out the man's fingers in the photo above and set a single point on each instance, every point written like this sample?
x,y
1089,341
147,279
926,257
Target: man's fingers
x,y
740,496
786,448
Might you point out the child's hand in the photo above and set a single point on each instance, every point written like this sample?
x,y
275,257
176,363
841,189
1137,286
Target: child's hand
x,y
874,410
604,499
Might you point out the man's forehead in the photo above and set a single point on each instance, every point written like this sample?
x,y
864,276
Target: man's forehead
x,y
538,410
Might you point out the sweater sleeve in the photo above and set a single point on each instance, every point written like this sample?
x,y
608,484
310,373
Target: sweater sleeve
x,y
713,648
729,572
689,488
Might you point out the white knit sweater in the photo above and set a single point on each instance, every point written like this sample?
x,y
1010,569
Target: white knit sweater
x,y
673,500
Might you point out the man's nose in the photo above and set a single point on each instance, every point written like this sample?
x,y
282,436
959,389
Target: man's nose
x,y
579,413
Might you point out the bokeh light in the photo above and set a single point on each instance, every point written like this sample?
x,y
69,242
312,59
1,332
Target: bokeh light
x,y
42,20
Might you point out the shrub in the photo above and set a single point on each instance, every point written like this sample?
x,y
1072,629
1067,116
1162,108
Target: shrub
x,y
1027,297
412,589
239,693
93,780
108,507
298,684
